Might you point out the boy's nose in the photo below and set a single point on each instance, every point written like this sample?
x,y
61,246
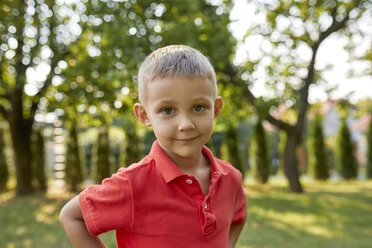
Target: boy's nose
x,y
185,124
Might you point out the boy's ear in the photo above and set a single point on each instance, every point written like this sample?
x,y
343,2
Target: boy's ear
x,y
218,106
141,114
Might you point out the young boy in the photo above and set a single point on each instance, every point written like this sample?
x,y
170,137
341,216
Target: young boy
x,y
179,195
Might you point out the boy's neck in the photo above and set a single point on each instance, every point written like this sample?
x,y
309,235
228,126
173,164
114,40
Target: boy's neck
x,y
191,165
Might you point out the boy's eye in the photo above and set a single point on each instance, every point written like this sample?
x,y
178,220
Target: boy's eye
x,y
167,111
199,108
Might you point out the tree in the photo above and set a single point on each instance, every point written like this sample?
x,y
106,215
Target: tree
x,y
290,38
369,153
261,155
346,159
319,162
4,173
35,37
38,163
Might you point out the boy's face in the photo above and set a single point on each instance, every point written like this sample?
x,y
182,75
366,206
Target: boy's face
x,y
181,112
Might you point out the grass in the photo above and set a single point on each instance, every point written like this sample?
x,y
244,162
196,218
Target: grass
x,y
327,215
32,221
337,214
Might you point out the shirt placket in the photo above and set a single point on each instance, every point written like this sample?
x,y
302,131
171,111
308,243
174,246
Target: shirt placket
x,y
207,217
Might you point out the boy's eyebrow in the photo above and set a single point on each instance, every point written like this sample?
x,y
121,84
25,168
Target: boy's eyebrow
x,y
197,98
164,102
170,102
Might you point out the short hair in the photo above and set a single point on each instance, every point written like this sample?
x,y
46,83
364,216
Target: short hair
x,y
175,60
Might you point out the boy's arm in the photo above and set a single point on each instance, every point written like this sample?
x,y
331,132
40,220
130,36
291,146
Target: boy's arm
x,y
234,234
72,221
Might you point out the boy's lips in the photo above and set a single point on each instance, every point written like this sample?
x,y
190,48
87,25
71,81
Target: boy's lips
x,y
186,139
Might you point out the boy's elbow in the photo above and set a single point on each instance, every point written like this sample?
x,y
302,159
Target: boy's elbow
x,y
70,212
63,216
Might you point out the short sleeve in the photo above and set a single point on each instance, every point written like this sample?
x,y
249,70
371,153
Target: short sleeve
x,y
240,206
108,206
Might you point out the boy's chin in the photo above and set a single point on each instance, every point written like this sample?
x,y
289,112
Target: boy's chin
x,y
185,152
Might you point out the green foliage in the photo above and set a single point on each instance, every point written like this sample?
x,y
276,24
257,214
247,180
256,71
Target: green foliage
x,y
74,175
261,153
102,66
369,153
4,173
38,160
346,159
319,161
102,153
231,140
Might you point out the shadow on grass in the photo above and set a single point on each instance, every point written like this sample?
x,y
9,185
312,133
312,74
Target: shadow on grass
x,y
327,215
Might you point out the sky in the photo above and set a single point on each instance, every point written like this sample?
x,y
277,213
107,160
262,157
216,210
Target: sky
x,y
331,52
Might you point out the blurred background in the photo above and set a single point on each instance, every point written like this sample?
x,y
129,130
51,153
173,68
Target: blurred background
x,y
295,76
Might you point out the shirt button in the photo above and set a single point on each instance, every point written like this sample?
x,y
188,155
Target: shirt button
x,y
206,206
188,181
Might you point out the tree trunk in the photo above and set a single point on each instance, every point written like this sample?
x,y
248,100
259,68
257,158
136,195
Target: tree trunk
x,y
20,130
290,163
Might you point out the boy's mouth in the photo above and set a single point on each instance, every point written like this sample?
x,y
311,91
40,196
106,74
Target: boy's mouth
x,y
186,139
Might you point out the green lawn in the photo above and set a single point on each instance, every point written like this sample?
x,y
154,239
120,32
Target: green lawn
x,y
327,215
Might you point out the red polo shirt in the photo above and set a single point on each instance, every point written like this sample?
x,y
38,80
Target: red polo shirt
x,y
155,204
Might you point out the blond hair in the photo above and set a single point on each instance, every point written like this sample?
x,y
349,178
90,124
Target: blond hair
x,y
175,60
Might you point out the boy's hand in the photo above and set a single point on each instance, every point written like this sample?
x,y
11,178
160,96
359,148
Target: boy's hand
x,y
72,221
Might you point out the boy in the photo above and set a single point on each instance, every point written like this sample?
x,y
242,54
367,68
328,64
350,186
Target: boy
x,y
179,195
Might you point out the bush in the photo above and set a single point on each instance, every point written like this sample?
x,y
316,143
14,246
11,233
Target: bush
x,y
369,154
233,149
4,173
102,155
320,157
261,153
345,149
38,165
74,175
131,150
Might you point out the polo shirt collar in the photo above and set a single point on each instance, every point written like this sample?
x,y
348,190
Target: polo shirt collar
x,y
171,171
